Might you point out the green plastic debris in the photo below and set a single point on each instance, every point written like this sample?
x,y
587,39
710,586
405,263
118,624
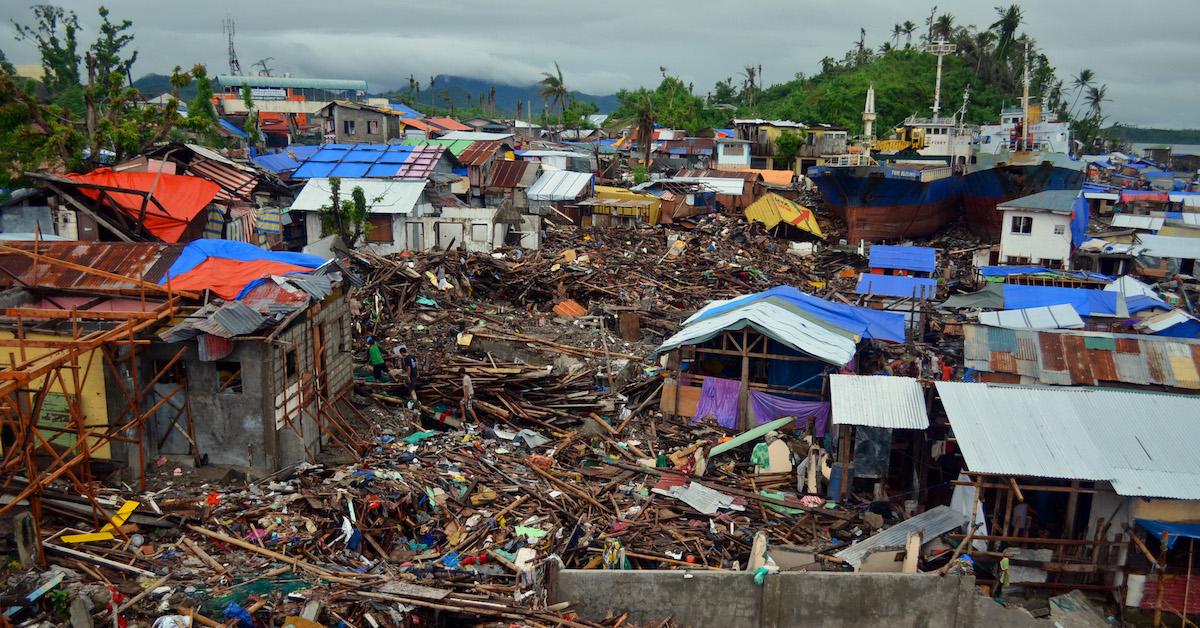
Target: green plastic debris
x,y
531,534
787,510
749,435
417,437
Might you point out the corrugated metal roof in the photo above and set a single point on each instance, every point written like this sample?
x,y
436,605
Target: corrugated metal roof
x,y
450,124
807,334
1133,221
720,185
232,318
1071,357
384,196
1052,317
512,174
479,152
145,260
475,136
1169,246
932,523
560,185
1057,201
878,401
896,286
919,258
1079,434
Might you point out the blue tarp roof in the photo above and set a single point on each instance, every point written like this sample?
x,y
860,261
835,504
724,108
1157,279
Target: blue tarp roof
x,y
1175,530
197,251
862,321
918,258
408,112
1086,302
232,128
359,160
896,286
277,162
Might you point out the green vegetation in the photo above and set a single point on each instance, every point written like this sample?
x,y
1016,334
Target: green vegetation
x,y
349,219
1133,134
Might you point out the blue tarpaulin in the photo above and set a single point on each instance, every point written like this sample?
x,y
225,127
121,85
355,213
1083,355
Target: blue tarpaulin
x,y
896,286
1086,302
196,252
858,320
232,128
1175,530
1005,271
918,258
1079,221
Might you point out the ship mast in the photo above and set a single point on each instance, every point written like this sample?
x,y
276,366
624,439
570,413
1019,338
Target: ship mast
x,y
940,48
868,117
1025,100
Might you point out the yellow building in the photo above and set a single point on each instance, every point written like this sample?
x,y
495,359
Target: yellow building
x,y
645,207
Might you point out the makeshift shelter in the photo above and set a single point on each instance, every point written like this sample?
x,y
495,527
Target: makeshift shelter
x,y
753,355
773,210
870,411
613,206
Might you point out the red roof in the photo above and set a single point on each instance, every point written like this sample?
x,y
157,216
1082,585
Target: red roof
x,y
177,199
450,124
421,125
478,153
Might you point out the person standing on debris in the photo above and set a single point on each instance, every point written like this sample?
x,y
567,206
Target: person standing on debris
x,y
375,357
468,396
408,364
1002,578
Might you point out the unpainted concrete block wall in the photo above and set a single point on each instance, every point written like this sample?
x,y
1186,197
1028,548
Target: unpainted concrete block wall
x,y
810,599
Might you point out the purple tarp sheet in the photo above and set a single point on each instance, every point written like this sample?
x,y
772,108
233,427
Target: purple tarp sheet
x,y
719,399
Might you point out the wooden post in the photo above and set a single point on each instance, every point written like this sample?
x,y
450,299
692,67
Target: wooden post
x,y
744,397
844,459
1072,506
1187,583
1162,573
912,552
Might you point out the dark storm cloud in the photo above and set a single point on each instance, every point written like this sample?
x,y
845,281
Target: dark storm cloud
x,y
1146,56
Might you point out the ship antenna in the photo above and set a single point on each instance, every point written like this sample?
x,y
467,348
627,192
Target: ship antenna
x,y
1025,96
941,49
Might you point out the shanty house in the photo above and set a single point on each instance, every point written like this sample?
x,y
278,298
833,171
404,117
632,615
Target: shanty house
x,y
347,122
487,125
1161,256
1037,229
783,217
615,206
559,191
744,360
229,369
509,182
752,185
479,158
732,153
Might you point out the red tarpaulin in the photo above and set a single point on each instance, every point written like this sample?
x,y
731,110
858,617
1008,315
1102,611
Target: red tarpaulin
x,y
181,196
227,277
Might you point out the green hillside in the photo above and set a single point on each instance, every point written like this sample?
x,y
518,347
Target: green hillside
x,y
904,83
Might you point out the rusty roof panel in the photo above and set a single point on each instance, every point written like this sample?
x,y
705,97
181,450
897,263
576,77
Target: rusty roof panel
x,y
144,260
508,174
1128,345
1003,361
1052,352
1131,368
1104,368
478,153
1075,352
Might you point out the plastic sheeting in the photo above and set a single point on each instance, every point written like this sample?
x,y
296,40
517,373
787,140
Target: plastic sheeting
x,y
719,399
1080,214
1086,302
231,269
1175,530
181,197
860,321
767,407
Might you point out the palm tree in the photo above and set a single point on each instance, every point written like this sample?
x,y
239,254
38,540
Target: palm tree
x,y
641,117
1096,98
909,27
554,90
943,26
1080,82
897,31
885,47
1006,28
983,40
751,75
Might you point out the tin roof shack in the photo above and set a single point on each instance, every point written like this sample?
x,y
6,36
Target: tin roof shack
x,y
510,182
691,152
881,422
1061,476
1038,229
752,186
683,197
900,279
348,122
479,158
762,135
403,217
615,206
743,360
1163,257
247,376
487,125
559,192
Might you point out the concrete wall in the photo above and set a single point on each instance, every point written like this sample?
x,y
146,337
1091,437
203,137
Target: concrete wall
x,y
1041,243
811,599
455,225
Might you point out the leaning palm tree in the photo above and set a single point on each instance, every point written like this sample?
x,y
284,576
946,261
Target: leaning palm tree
x,y
640,116
1006,28
1082,81
897,31
943,26
554,91
909,28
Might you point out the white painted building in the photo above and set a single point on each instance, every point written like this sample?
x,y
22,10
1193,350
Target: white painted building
x,y
732,154
403,219
1037,229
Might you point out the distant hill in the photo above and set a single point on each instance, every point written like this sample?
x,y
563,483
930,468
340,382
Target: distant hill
x,y
1133,134
903,81
152,85
507,96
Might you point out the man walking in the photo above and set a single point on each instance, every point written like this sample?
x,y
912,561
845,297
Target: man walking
x,y
408,365
468,396
375,358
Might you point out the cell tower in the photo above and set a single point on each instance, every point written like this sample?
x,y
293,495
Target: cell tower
x,y
227,27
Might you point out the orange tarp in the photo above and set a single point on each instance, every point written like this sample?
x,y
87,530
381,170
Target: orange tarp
x,y
227,277
182,197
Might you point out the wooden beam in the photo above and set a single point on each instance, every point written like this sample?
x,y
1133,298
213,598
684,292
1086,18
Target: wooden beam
x,y
100,315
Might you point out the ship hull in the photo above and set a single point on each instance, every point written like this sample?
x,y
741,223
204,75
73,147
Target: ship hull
x,y
985,189
876,207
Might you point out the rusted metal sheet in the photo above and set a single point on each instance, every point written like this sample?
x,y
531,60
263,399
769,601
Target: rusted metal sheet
x,y
1052,352
510,174
1104,369
1003,361
142,260
1076,355
1128,345
478,153
1157,368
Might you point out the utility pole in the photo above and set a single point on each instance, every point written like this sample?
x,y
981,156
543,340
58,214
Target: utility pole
x,y
941,49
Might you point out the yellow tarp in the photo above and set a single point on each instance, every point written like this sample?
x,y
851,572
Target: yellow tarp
x,y
773,209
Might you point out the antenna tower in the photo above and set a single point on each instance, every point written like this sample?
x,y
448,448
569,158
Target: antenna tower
x,y
228,27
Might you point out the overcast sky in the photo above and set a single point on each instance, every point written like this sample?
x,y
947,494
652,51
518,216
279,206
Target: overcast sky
x,y
1147,53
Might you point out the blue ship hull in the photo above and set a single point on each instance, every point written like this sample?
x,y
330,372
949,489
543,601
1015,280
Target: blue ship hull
x,y
879,205
987,188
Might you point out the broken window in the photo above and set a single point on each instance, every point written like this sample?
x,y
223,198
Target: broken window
x,y
1060,229
348,127
381,228
229,377
290,364
1022,224
372,126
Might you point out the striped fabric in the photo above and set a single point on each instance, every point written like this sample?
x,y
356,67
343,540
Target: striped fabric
x,y
235,184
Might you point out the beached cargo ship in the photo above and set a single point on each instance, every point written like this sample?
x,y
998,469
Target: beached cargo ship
x,y
891,201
